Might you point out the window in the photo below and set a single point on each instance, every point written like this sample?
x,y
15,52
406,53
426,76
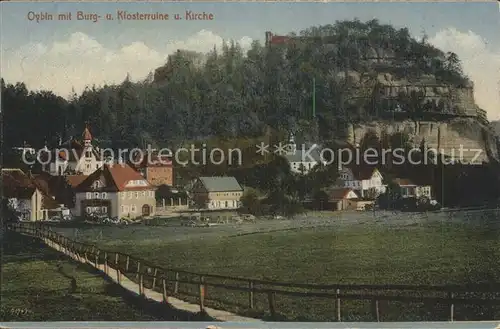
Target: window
x,y
152,194
137,195
124,195
125,208
97,166
143,194
88,166
89,195
133,209
96,195
87,154
130,195
89,210
104,210
104,195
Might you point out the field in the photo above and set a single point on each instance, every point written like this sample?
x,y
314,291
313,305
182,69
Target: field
x,y
37,286
356,249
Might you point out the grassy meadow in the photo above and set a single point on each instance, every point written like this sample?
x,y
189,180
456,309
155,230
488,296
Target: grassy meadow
x,y
434,253
36,286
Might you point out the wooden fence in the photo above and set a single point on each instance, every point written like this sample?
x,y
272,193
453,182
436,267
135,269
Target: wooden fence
x,y
200,288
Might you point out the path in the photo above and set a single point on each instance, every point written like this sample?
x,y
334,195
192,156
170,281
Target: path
x,y
131,286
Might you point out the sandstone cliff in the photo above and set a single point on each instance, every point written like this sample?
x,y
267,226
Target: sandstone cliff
x,y
447,137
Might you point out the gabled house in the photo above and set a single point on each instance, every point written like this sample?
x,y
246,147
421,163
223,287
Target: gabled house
x,y
409,189
25,196
116,191
364,179
216,193
303,159
344,198
72,157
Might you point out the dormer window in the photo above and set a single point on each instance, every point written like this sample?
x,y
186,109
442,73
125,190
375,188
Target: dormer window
x,y
97,184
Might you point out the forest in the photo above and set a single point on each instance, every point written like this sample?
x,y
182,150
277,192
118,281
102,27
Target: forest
x,y
229,94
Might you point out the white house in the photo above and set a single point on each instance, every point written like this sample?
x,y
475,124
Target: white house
x,y
115,191
24,196
73,157
216,193
362,179
409,189
303,159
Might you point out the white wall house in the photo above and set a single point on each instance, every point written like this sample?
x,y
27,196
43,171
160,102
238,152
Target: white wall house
x,y
115,191
362,180
409,189
303,158
24,196
73,156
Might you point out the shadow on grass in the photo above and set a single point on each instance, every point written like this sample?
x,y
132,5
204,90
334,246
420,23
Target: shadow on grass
x,y
19,248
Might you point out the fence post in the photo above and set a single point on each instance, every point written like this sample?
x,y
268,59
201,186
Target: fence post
x,y
165,296
176,287
106,262
272,303
375,310
250,294
202,294
97,259
452,306
338,306
141,285
138,269
154,279
126,264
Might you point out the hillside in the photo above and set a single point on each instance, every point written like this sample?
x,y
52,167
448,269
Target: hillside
x,y
322,80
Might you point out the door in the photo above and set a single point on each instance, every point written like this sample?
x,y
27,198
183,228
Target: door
x,y
146,210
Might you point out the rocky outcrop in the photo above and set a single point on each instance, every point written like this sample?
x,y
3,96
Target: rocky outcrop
x,y
438,96
454,137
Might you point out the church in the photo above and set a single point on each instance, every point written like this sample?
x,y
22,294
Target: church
x,y
73,157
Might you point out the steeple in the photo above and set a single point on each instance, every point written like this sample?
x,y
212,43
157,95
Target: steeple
x,y
87,136
292,147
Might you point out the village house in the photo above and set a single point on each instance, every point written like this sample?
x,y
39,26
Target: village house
x,y
303,159
115,191
25,196
367,181
409,189
73,157
216,193
343,198
157,169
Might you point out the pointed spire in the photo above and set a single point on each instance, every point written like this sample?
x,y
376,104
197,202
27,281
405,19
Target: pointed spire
x,y
87,136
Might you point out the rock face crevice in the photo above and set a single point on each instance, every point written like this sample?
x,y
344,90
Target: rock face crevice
x,y
452,138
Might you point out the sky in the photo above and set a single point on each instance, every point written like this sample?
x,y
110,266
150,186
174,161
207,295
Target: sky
x,y
64,55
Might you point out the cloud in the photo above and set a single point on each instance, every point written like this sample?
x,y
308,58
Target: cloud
x,y
81,61
480,63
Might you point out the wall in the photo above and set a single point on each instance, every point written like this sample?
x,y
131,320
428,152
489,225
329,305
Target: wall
x,y
157,175
79,197
137,199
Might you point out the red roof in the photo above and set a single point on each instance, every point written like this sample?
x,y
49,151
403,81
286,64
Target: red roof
x,y
117,177
339,193
17,184
403,181
75,180
86,134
